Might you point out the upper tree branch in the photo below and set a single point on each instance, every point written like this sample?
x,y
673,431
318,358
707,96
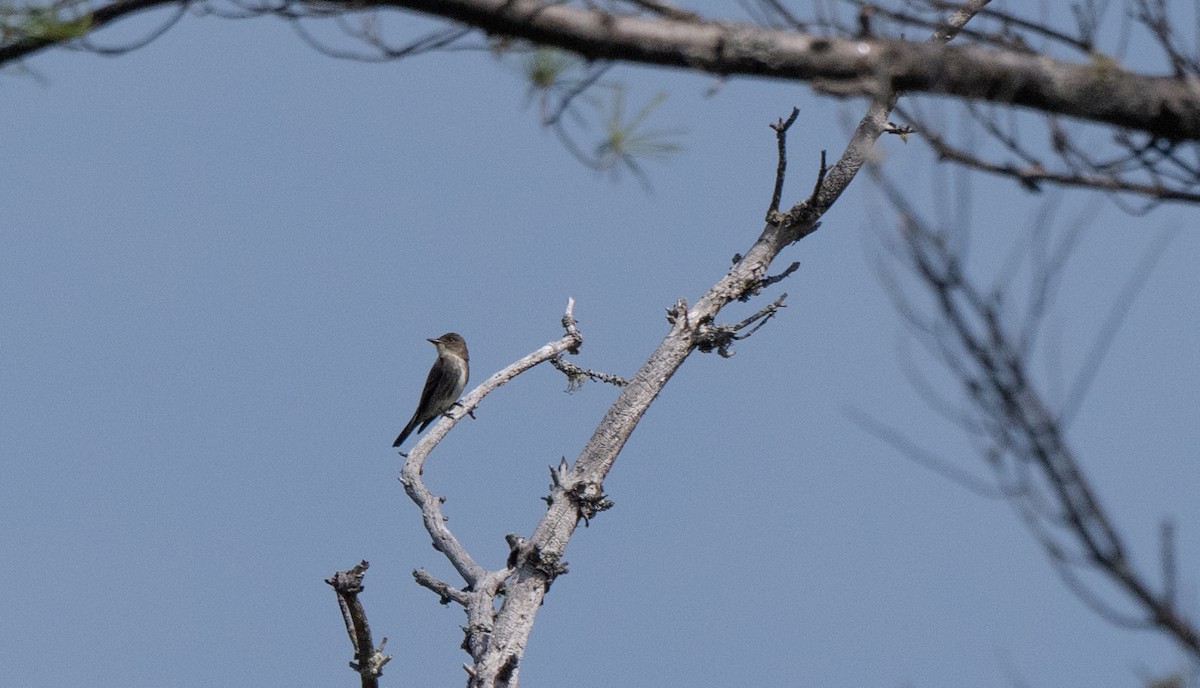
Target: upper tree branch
x,y
99,18
1168,107
1163,106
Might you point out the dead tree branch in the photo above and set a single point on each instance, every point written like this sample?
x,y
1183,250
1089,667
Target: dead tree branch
x,y
1033,462
780,127
576,375
1162,106
368,659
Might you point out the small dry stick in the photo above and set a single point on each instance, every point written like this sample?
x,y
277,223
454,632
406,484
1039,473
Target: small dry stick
x,y
368,660
781,126
816,192
575,374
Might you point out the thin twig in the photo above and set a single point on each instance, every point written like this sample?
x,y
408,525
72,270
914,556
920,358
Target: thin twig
x,y
824,170
665,9
781,126
924,457
1170,571
576,375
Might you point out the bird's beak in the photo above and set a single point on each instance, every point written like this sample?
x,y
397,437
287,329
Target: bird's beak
x,y
435,342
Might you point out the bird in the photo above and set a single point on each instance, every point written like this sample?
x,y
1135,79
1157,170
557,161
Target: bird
x,y
446,380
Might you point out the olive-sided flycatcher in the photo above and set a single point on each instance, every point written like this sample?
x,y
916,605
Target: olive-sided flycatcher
x,y
446,380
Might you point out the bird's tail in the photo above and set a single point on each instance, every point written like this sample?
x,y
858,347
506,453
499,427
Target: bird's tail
x,y
405,432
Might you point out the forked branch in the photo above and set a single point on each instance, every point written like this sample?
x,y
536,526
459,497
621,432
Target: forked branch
x,y
1034,464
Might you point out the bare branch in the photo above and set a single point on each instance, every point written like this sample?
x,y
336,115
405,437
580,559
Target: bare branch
x,y
1112,321
368,660
1164,107
721,337
781,126
991,364
1032,174
99,18
1170,571
1005,38
445,592
772,279
576,375
821,172
86,42
665,9
914,452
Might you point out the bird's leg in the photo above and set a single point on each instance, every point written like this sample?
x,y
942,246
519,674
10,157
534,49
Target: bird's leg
x,y
470,413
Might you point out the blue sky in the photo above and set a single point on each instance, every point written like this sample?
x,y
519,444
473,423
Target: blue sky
x,y
222,256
